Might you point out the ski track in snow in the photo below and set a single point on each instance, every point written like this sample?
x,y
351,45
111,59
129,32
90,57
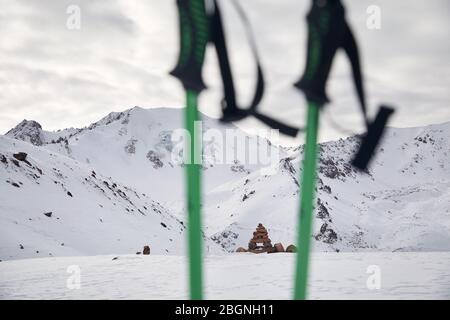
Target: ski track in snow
x,y
233,276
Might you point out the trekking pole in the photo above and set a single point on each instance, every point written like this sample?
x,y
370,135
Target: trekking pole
x,y
328,31
194,30
322,44
193,186
307,201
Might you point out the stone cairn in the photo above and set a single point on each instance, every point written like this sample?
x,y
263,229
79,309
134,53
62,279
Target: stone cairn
x,y
260,242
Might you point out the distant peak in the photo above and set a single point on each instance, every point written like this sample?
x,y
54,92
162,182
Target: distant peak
x,y
28,124
27,130
110,118
123,116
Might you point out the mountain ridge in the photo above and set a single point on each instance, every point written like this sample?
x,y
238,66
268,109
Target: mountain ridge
x,y
354,210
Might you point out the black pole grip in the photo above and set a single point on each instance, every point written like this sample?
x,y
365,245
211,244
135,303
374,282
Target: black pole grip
x,y
326,31
194,36
372,138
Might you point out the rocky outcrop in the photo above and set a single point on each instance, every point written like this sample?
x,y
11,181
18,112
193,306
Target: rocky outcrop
x,y
238,167
130,147
326,234
246,196
291,248
154,158
226,238
278,247
322,211
29,131
21,156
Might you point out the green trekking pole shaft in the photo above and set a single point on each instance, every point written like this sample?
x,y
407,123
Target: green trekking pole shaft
x,y
194,35
307,201
193,171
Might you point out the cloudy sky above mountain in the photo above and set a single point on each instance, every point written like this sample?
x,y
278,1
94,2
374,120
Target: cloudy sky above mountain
x,y
123,50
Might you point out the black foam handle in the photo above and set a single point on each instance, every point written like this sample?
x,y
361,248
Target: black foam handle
x,y
194,37
372,138
326,32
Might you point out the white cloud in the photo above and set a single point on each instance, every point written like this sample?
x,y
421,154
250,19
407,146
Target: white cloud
x,y
122,53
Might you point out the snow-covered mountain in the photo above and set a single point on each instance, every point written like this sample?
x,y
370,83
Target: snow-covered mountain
x,y
52,205
401,203
135,147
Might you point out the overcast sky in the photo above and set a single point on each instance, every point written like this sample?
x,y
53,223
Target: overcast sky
x,y
120,57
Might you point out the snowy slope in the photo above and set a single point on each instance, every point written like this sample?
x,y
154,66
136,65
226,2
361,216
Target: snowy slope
x,y
402,203
233,276
53,205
